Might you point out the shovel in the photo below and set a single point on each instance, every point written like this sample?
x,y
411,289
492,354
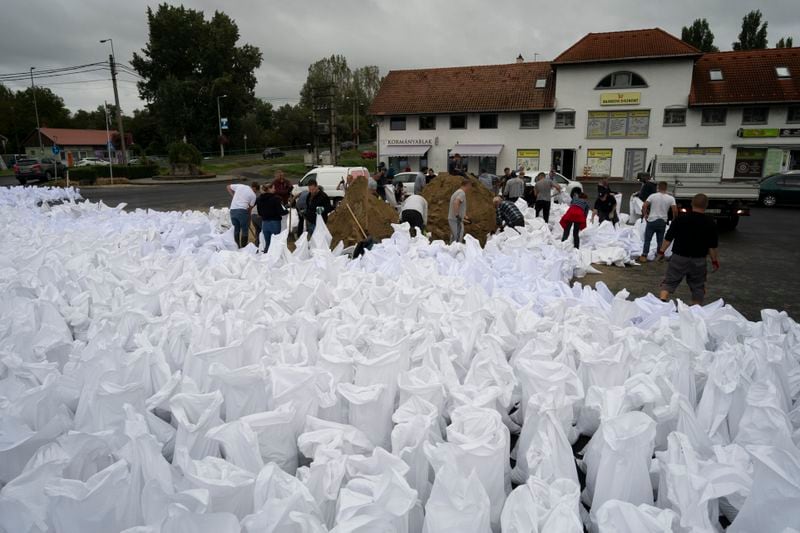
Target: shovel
x,y
364,245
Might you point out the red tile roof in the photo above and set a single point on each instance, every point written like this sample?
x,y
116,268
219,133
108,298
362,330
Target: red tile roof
x,y
748,77
631,44
484,88
71,137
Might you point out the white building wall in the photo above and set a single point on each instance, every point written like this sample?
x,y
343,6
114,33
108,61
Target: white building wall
x,y
668,85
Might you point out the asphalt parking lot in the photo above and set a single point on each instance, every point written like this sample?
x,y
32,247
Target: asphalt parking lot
x,y
759,259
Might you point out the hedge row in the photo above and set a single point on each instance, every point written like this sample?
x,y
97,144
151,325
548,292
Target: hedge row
x,y
133,172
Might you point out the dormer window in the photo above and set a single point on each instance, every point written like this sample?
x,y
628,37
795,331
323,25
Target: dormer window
x,y
621,80
715,74
541,83
782,72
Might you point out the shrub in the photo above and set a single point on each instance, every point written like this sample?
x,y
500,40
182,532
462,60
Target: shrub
x,y
84,175
184,159
133,172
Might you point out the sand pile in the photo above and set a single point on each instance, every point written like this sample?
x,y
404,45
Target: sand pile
x,y
479,207
374,215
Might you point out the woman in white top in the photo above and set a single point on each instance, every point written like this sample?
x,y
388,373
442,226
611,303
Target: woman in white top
x,y
244,198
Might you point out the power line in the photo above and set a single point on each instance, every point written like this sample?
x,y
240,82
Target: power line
x,y
47,73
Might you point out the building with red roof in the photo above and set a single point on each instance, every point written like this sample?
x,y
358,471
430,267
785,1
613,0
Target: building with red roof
x,y
74,144
606,106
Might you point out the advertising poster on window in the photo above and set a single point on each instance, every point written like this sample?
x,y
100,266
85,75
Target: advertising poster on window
x,y
639,124
749,163
599,162
773,161
528,159
597,124
618,124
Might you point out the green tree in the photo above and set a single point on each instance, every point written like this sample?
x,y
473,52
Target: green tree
x,y
18,116
785,42
754,34
187,63
699,35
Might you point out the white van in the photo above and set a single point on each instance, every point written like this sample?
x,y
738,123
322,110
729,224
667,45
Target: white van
x,y
330,178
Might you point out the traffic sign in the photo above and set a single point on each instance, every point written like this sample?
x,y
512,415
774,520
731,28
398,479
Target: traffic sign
x,y
55,149
110,145
223,123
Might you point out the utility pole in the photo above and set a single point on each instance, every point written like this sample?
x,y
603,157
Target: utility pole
x,y
36,109
333,125
120,127
108,144
219,123
314,125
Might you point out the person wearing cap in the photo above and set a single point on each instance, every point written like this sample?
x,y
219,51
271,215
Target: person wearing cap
x,y
648,187
457,213
507,213
605,206
242,202
693,237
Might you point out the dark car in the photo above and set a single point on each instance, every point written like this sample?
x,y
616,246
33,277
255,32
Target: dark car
x,y
44,169
782,188
272,153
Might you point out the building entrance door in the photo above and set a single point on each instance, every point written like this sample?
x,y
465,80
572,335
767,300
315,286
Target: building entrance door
x,y
635,162
563,161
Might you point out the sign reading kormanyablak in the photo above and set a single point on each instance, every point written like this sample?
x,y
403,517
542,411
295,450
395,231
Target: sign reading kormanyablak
x,y
620,98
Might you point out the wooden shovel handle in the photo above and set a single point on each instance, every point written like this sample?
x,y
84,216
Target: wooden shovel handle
x,y
356,220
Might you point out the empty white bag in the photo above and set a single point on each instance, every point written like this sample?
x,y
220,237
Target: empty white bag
x,y
458,503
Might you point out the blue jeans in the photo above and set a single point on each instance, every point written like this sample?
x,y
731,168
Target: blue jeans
x,y
268,229
657,226
241,226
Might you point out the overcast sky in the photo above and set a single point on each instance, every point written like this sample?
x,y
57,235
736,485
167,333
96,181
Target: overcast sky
x,y
392,34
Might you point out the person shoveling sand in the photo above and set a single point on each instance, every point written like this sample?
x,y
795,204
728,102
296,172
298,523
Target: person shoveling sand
x,y
373,214
480,209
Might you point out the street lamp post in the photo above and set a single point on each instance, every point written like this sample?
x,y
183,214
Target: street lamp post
x,y
219,123
245,144
36,110
120,128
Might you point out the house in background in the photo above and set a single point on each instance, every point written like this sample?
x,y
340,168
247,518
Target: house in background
x,y
74,144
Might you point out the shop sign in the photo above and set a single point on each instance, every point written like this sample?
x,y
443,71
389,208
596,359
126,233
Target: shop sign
x,y
528,153
620,98
598,162
697,150
790,132
528,159
409,141
750,133
600,154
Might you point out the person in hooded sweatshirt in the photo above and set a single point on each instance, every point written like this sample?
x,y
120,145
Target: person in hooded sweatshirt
x,y
271,210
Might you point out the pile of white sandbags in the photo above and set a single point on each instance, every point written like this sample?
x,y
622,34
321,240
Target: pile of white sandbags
x,y
155,379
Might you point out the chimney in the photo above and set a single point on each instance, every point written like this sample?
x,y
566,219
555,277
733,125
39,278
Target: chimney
x,y
520,59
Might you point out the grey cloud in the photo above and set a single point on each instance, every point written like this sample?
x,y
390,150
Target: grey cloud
x,y
390,34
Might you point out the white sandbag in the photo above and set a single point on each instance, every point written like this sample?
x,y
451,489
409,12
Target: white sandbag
x,y
619,465
276,436
370,410
375,504
230,488
239,445
417,424
772,505
324,478
307,388
324,435
423,382
244,389
196,414
93,505
541,507
458,503
764,422
19,441
181,520
616,516
282,505
722,404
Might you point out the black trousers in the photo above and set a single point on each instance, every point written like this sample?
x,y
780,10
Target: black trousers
x,y
543,206
414,219
575,227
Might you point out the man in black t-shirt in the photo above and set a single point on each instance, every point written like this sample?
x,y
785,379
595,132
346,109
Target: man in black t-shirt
x,y
695,237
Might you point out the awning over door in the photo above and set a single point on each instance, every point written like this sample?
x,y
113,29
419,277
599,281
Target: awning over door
x,y
477,150
411,150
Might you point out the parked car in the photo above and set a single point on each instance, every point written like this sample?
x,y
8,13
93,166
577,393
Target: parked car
x,y
369,154
347,145
407,179
272,153
92,162
331,179
44,169
782,188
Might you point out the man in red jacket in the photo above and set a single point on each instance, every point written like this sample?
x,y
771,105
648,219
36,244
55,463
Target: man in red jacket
x,y
283,188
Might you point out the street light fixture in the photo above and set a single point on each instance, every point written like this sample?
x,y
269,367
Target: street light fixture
x,y
120,128
36,110
219,123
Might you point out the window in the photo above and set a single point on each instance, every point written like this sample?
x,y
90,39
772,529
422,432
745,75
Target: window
x,y
488,163
488,122
715,74
782,72
307,178
755,115
675,116
458,122
749,162
541,83
427,122
714,116
794,114
529,121
621,80
618,124
397,123
565,119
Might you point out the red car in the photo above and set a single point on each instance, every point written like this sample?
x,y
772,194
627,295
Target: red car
x,y
368,154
